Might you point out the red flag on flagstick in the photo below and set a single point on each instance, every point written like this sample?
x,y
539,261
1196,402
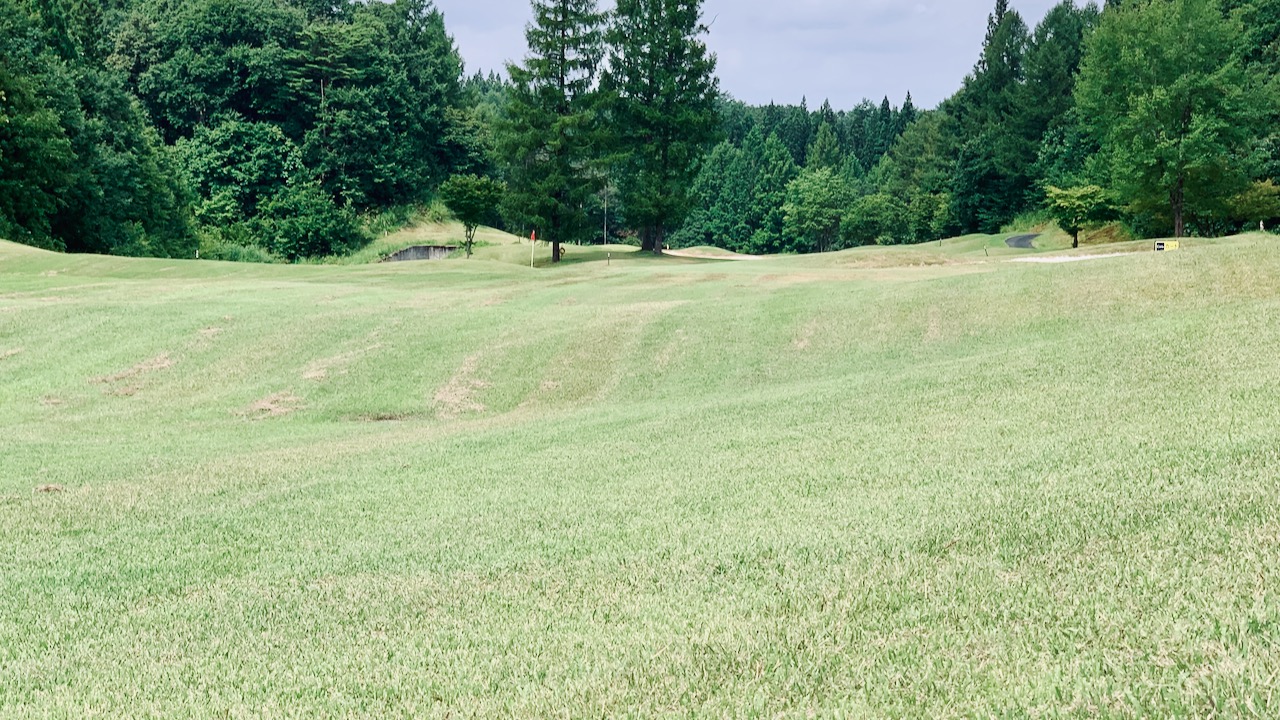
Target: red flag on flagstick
x,y
533,236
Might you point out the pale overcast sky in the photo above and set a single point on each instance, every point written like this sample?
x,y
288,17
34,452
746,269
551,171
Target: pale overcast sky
x,y
775,50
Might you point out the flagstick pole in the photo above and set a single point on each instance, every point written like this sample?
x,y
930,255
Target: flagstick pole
x,y
533,243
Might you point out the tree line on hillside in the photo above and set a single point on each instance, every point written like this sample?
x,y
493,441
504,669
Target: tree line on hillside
x,y
143,127
1157,113
288,128
1160,114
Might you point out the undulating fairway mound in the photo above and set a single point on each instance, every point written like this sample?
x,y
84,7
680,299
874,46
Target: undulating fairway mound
x,y
906,482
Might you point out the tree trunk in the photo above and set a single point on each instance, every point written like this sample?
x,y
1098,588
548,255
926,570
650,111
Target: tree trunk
x,y
1177,202
555,231
1075,240
657,240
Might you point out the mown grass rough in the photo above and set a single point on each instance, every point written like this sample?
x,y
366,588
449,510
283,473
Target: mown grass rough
x,y
902,482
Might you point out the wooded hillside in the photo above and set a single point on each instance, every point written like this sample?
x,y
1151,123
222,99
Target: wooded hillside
x,y
286,129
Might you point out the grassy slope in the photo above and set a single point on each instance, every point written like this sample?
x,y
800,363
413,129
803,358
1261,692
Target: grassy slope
x,y
425,233
504,247
887,481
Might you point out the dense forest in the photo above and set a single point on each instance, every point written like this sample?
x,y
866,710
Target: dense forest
x,y
1157,114
288,129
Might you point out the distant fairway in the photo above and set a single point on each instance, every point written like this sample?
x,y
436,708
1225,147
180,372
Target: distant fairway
x,y
898,482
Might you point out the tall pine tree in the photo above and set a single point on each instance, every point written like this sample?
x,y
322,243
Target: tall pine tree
x,y
776,171
825,150
550,132
1046,106
663,93
994,157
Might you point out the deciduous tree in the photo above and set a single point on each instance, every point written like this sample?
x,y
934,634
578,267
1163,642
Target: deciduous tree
x,y
472,200
1076,208
1162,92
816,202
875,219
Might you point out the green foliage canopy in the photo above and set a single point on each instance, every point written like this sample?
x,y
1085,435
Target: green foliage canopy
x,y
662,89
1162,93
472,199
815,204
1076,208
550,134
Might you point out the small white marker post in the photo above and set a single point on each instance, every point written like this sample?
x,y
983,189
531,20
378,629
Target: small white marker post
x,y
533,244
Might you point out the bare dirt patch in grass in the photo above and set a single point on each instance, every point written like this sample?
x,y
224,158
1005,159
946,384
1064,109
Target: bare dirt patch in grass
x,y
657,306
792,278
10,353
50,489
51,401
272,406
457,397
205,338
321,369
804,339
672,349
159,362
933,332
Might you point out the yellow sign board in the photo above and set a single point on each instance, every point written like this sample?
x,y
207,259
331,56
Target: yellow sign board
x,y
1166,245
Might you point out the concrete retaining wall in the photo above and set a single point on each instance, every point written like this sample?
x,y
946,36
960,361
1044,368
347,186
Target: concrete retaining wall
x,y
422,252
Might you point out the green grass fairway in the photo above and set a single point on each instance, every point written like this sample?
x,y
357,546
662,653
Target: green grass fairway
x,y
889,482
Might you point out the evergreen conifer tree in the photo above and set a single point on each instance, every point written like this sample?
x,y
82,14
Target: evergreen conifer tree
x,y
994,156
906,115
825,150
1046,104
662,92
721,201
796,130
776,171
551,134
885,127
826,114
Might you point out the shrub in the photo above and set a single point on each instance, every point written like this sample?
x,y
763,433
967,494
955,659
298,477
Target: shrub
x,y
302,221
233,244
875,219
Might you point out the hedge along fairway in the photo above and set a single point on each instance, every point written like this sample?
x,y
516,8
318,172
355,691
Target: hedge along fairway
x,y
877,483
